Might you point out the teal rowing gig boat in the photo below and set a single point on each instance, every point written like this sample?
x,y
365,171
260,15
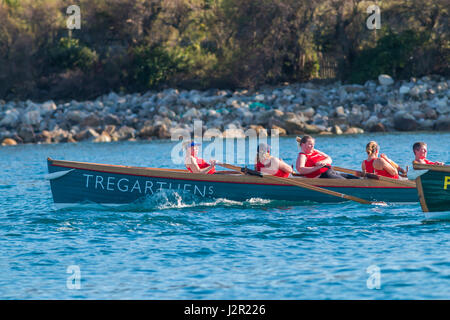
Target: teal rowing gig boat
x,y
433,187
73,183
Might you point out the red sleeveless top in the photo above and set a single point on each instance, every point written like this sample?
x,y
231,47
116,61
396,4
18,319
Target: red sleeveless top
x,y
202,164
428,161
311,160
279,173
371,169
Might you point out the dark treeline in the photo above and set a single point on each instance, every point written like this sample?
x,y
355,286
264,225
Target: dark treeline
x,y
137,45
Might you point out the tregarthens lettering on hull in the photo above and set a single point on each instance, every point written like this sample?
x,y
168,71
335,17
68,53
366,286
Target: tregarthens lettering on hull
x,y
110,183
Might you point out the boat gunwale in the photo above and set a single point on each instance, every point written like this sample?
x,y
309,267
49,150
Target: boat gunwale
x,y
179,174
420,166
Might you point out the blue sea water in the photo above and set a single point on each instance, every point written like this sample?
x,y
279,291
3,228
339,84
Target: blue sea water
x,y
221,249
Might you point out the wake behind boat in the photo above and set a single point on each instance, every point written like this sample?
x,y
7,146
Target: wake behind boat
x,y
74,183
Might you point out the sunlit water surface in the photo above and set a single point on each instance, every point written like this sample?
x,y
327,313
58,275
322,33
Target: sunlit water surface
x,y
220,249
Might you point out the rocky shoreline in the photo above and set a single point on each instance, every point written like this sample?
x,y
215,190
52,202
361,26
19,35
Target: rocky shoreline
x,y
294,109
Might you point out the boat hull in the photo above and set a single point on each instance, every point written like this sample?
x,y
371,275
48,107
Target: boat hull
x,y
78,183
434,189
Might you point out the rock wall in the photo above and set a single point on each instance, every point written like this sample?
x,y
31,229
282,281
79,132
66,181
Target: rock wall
x,y
294,109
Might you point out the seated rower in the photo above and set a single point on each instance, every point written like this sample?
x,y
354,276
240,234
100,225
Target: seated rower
x,y
420,153
313,163
381,166
270,165
195,164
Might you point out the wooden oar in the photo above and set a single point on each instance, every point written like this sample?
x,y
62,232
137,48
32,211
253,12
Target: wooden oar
x,y
375,176
299,184
402,172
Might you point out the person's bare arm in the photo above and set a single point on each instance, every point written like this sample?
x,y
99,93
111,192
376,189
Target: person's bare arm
x,y
382,164
285,167
270,169
389,168
326,161
391,162
363,166
300,163
399,169
275,165
420,161
196,169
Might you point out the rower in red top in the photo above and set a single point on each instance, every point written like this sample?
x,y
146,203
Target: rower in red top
x,y
381,166
420,153
313,163
195,164
270,165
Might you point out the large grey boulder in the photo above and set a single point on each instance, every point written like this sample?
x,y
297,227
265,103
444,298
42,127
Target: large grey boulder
x,y
26,132
75,116
404,121
112,119
442,123
294,126
32,115
47,108
11,118
92,120
385,80
125,133
86,134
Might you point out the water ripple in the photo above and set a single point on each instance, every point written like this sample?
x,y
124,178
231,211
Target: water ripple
x,y
173,248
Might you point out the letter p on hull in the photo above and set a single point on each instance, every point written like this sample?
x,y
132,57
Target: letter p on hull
x,y
446,182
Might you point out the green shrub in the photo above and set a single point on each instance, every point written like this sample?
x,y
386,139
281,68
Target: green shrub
x,y
393,54
151,66
69,55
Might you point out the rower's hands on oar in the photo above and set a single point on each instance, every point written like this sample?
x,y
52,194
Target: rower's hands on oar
x,y
402,172
321,164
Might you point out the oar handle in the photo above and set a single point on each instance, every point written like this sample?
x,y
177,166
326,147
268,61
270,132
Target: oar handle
x,y
251,172
244,170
